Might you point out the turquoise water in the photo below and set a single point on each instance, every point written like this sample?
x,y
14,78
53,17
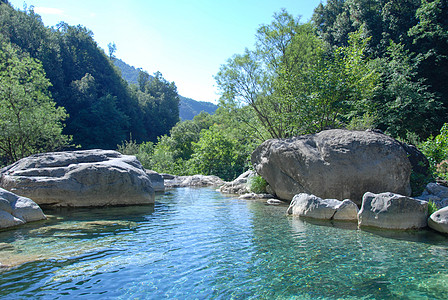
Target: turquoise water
x,y
199,244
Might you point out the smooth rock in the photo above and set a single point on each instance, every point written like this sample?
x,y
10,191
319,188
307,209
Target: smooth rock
x,y
79,178
336,163
439,220
16,210
436,193
157,181
254,196
392,211
275,202
311,206
239,185
347,210
194,181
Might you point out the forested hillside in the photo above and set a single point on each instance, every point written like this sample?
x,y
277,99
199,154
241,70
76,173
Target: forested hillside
x,y
188,108
103,110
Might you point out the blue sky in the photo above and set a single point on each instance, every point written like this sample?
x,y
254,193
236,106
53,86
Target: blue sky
x,y
186,40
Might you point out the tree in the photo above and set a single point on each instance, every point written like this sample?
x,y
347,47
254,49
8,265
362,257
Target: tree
x,y
216,154
112,49
30,122
293,84
430,39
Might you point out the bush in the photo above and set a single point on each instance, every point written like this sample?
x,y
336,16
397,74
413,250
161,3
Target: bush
x,y
432,207
436,150
257,184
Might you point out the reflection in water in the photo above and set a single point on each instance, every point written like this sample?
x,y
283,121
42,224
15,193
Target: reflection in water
x,y
197,243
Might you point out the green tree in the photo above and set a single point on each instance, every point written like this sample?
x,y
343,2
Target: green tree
x,y
293,84
404,103
216,154
29,120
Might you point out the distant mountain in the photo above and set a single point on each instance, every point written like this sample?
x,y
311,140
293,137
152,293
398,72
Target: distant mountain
x,y
129,73
188,107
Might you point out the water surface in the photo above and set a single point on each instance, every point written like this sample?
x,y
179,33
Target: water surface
x,y
199,244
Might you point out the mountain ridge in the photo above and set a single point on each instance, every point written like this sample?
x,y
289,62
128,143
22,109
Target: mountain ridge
x,y
188,107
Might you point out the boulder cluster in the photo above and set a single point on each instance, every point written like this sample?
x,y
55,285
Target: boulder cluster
x,y
360,176
330,174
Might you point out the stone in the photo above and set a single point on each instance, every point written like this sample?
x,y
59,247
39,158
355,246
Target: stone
x,y
16,210
439,220
392,211
79,178
437,193
254,196
275,202
157,181
311,206
336,163
194,181
347,210
239,185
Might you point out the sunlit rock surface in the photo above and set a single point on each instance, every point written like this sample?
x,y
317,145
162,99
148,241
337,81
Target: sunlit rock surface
x,y
194,181
16,210
311,206
439,220
392,211
79,178
337,164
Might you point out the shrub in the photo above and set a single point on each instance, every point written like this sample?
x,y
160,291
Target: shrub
x,y
257,184
436,150
432,207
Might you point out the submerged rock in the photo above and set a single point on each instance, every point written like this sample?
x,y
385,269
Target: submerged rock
x,y
16,210
311,206
335,163
80,178
439,220
392,211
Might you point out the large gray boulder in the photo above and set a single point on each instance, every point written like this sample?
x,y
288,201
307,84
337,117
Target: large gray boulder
x,y
439,220
311,206
16,210
392,211
79,178
336,163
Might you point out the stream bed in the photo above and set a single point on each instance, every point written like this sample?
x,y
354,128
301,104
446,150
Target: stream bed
x,y
200,244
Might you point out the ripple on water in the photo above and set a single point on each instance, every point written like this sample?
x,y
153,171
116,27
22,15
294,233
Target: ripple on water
x,y
197,243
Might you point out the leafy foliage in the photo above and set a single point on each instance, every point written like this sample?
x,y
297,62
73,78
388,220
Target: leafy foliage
x,y
29,120
436,150
432,207
257,184
103,109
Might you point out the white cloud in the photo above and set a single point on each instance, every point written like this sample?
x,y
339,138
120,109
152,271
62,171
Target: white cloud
x,y
48,11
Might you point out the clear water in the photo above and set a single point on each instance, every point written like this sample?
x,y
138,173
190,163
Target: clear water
x,y
199,244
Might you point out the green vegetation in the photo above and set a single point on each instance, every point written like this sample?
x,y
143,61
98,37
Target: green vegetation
x,y
357,64
432,208
103,110
257,184
436,150
29,119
